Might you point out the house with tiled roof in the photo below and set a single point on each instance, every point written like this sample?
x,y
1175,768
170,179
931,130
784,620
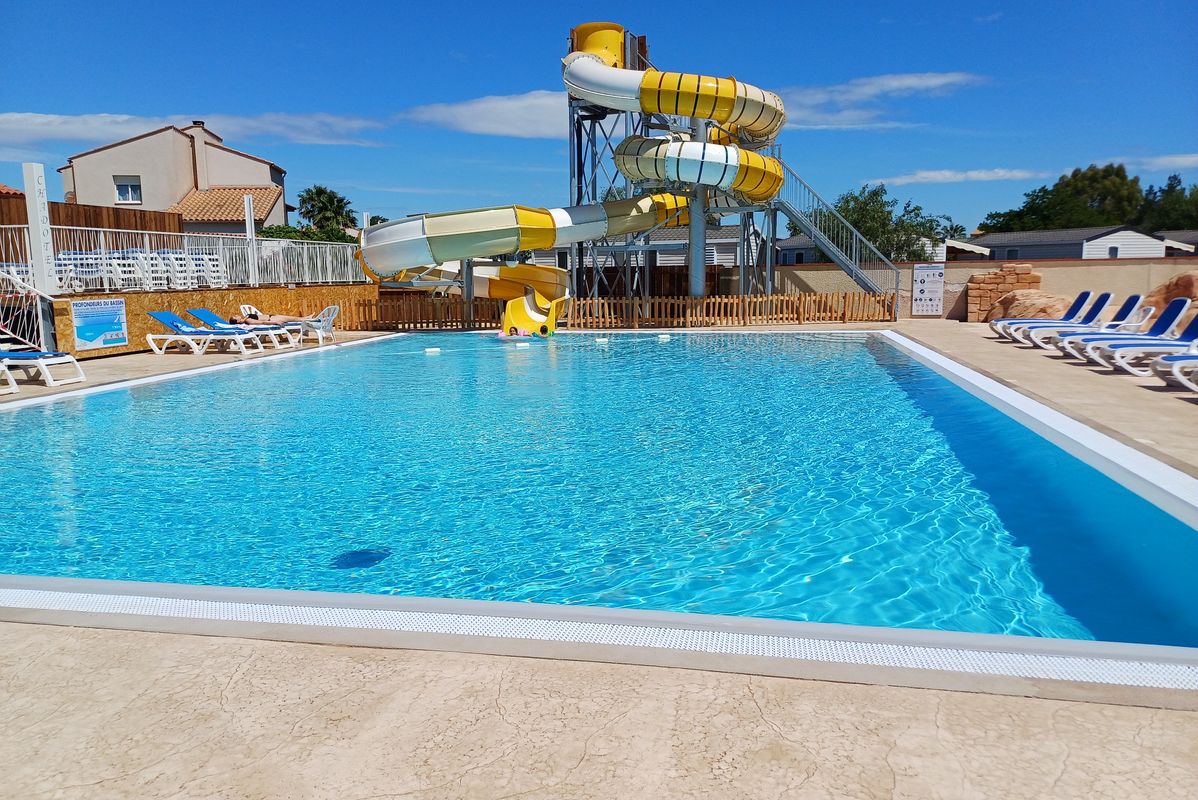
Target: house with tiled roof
x,y
9,191
189,171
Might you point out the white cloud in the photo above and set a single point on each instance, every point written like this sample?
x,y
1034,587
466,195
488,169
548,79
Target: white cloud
x,y
959,176
26,128
393,189
988,18
860,103
539,114
1158,163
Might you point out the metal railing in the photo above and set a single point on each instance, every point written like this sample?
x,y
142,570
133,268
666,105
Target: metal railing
x,y
109,260
23,309
833,235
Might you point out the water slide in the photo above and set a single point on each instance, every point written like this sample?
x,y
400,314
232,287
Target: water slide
x,y
745,118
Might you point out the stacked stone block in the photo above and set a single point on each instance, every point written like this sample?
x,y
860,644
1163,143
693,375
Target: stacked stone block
x,y
985,288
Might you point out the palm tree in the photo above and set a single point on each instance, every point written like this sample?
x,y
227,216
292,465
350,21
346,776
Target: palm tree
x,y
324,208
950,229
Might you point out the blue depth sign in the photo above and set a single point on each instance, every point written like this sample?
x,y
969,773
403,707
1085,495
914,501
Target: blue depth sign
x,y
99,323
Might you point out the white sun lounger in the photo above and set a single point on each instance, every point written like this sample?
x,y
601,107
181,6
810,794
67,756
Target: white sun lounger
x,y
1072,314
197,339
1179,368
1083,345
39,361
1129,318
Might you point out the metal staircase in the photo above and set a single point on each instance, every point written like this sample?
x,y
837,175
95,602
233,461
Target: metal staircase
x,y
833,235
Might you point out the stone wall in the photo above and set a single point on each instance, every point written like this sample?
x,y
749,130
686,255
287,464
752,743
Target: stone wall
x,y
300,301
1122,276
983,289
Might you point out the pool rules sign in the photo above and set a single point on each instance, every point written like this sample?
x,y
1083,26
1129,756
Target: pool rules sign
x,y
927,290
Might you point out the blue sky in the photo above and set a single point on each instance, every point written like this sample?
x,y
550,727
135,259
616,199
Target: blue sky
x,y
413,107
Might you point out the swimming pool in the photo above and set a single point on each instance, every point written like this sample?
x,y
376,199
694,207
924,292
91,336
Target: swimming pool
x,y
823,478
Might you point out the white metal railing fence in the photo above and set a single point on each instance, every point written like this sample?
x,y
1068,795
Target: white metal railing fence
x,y
107,260
14,251
23,309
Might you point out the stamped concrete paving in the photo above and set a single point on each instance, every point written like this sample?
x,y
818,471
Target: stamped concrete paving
x,y
94,713
113,714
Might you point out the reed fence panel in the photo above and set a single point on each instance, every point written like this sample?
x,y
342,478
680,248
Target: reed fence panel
x,y
421,312
602,313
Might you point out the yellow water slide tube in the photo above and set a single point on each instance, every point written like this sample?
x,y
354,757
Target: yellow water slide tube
x,y
393,247
744,114
747,117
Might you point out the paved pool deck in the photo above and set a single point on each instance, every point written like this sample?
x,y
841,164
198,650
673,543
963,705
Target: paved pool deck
x,y
98,713
116,714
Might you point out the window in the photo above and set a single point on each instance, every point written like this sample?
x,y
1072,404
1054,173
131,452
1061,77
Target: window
x,y
128,188
798,256
784,258
1112,252
1012,252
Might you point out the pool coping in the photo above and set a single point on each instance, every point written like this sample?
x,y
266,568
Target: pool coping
x,y
1140,674
110,386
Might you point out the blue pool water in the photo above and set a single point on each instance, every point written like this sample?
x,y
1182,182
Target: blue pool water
x,y
798,477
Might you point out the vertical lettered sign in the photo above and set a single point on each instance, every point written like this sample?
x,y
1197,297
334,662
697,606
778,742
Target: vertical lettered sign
x,y
41,242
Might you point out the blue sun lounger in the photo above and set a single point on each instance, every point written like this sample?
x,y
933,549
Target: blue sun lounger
x,y
1130,355
273,332
184,334
1072,314
29,361
1179,367
1079,345
1087,321
1129,318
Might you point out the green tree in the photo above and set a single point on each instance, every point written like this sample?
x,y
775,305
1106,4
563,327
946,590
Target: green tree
x,y
1170,207
307,234
614,192
899,234
949,229
1084,198
375,219
322,208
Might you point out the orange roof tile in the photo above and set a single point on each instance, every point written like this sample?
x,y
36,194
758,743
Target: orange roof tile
x,y
8,191
225,203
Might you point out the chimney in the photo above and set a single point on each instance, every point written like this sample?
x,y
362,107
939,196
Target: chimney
x,y
199,154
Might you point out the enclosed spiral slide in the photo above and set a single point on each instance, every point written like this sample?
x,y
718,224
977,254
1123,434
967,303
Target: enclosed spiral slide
x,y
745,118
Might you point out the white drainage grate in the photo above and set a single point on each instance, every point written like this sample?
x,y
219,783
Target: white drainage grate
x,y
983,662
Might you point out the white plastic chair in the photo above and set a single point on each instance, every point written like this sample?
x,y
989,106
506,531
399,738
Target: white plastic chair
x,y
322,325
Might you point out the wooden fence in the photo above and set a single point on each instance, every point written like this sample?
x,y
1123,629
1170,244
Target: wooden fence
x,y
693,312
422,312
12,212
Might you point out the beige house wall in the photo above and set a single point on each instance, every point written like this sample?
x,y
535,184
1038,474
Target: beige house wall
x,y
162,161
1121,276
230,169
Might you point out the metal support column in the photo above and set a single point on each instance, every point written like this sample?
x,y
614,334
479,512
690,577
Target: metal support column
x,y
468,294
771,244
698,224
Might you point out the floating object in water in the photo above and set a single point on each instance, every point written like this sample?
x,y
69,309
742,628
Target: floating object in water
x,y
601,341
523,344
663,337
358,559
432,350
